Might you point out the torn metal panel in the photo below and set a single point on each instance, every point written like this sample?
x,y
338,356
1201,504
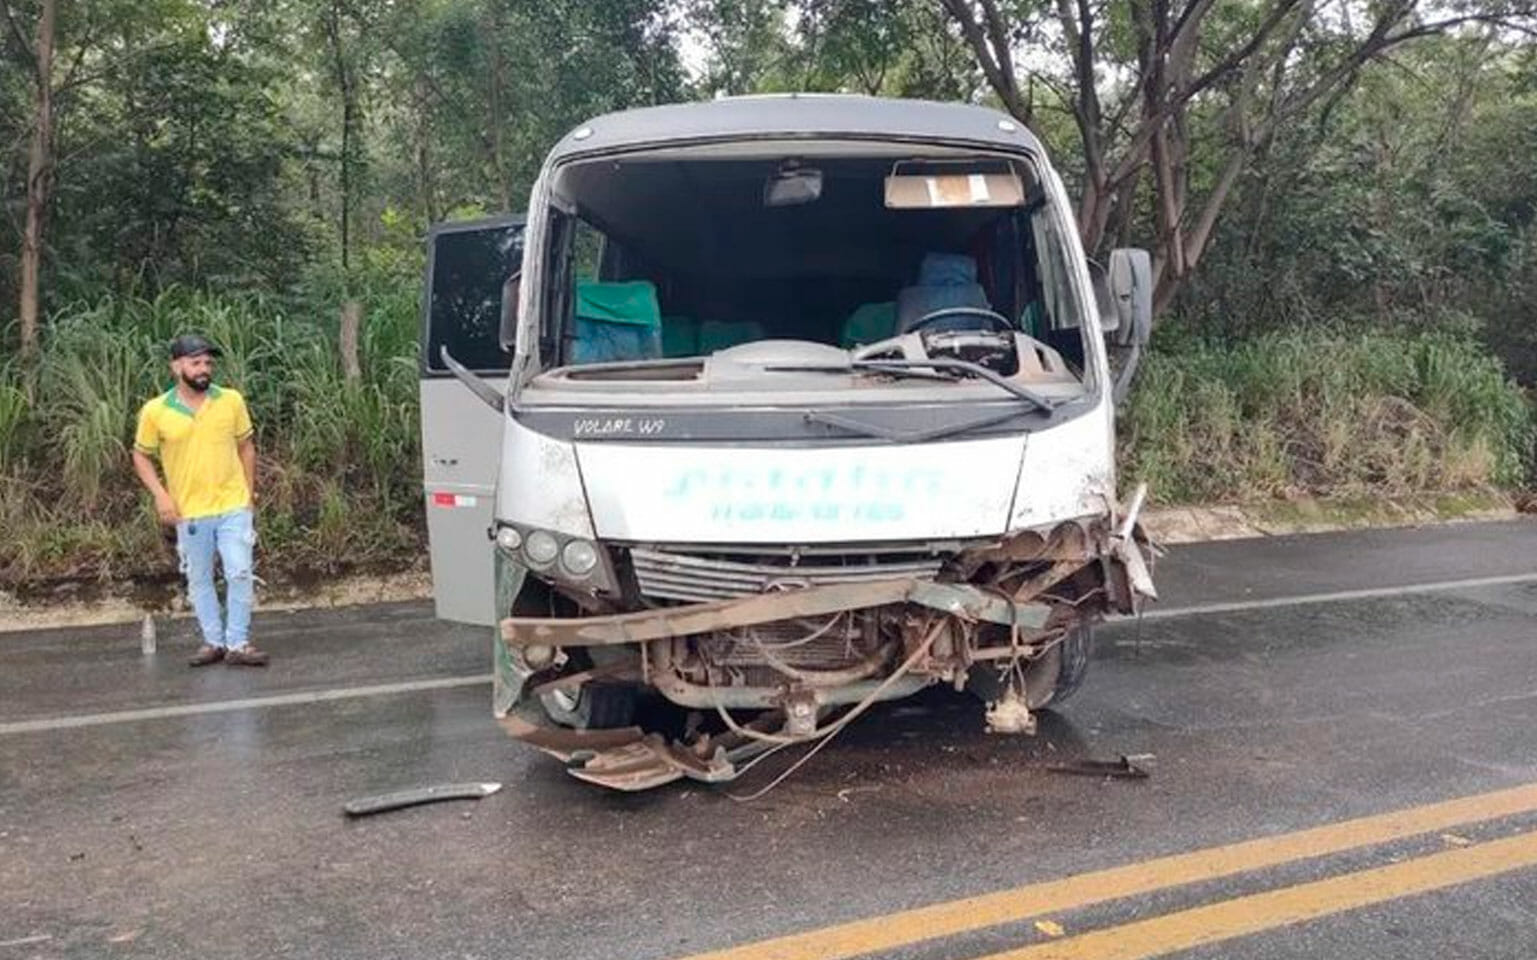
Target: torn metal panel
x,y
364,806
629,759
960,599
790,655
556,502
1067,471
564,742
1138,578
969,602
639,765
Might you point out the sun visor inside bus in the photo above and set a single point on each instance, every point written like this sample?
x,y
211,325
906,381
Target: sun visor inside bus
x,y
616,321
940,189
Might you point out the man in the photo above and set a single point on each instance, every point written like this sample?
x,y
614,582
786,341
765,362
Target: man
x,y
202,435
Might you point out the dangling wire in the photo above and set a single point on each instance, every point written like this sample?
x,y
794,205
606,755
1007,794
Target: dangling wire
x,y
837,726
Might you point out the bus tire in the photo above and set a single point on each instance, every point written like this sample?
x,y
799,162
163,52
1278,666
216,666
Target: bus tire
x,y
592,706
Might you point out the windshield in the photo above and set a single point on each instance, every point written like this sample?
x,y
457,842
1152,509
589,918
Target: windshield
x,y
868,249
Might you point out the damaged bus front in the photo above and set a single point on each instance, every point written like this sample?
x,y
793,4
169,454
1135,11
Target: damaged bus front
x,y
808,405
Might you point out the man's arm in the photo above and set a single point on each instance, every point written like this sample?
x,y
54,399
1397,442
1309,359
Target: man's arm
x,y
144,468
247,451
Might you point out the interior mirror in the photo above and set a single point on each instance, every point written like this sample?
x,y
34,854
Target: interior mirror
x,y
792,186
508,329
1129,294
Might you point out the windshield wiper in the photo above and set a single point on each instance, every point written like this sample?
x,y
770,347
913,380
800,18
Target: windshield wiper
x,y
907,436
911,367
926,369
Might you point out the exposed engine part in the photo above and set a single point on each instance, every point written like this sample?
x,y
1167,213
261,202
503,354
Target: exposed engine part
x,y
844,647
800,713
1010,714
1007,620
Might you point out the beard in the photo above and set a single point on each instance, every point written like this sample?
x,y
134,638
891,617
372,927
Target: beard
x,y
199,382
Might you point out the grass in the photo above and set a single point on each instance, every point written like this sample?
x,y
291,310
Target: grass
x,y
1377,511
1341,416
1354,418
339,468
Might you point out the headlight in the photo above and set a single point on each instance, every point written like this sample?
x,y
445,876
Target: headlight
x,y
541,548
579,558
509,539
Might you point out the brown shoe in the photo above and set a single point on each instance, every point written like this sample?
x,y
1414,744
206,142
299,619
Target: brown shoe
x,y
246,656
205,655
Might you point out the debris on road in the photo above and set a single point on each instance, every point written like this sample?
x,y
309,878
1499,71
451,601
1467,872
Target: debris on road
x,y
1128,767
364,806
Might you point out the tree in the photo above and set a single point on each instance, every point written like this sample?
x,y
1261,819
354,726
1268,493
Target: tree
x,y
345,28
1148,77
482,90
881,47
174,169
747,42
39,182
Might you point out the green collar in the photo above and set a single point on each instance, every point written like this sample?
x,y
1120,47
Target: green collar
x,y
173,399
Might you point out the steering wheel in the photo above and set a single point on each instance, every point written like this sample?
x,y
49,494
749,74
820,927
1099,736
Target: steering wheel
x,y
990,320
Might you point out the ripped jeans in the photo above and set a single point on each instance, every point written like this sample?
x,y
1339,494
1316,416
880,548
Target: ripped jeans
x,y
233,537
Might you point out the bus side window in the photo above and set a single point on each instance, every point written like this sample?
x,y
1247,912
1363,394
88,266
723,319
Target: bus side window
x,y
467,276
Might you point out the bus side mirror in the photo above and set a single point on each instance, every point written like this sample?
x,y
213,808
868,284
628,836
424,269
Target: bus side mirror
x,y
1124,294
507,333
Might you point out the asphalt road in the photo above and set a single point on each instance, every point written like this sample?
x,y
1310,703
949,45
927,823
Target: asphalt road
x,y
1342,729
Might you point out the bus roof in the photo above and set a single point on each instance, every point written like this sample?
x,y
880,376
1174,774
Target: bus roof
x,y
797,116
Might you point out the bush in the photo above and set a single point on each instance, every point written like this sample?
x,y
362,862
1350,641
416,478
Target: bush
x,y
1324,414
1330,415
339,465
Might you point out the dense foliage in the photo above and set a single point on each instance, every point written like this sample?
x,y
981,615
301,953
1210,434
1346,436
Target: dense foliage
x,y
1341,201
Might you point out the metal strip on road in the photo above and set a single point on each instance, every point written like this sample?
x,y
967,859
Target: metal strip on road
x,y
1259,912
250,703
1308,599
897,930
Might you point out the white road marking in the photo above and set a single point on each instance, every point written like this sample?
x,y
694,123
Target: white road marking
x,y
251,703
444,683
1372,593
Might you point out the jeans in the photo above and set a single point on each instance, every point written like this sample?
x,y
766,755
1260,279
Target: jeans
x,y
232,536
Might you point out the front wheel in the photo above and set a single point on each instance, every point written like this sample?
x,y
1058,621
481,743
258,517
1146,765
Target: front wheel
x,y
1050,678
592,706
1072,656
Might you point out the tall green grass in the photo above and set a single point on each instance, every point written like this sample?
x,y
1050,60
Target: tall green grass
x,y
1325,414
339,468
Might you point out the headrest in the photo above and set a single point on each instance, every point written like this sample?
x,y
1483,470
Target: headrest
x,y
947,270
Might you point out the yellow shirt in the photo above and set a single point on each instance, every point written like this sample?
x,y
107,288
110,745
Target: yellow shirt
x,y
198,451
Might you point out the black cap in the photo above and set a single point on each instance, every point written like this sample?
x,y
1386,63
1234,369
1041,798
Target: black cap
x,y
193,345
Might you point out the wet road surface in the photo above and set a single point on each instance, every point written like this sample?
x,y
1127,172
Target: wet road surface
x,y
149,810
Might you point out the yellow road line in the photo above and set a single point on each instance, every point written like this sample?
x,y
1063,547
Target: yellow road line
x,y
1259,912
907,927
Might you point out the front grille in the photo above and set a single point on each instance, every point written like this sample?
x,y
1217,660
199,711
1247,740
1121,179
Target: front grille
x,y
665,575
758,656
805,645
